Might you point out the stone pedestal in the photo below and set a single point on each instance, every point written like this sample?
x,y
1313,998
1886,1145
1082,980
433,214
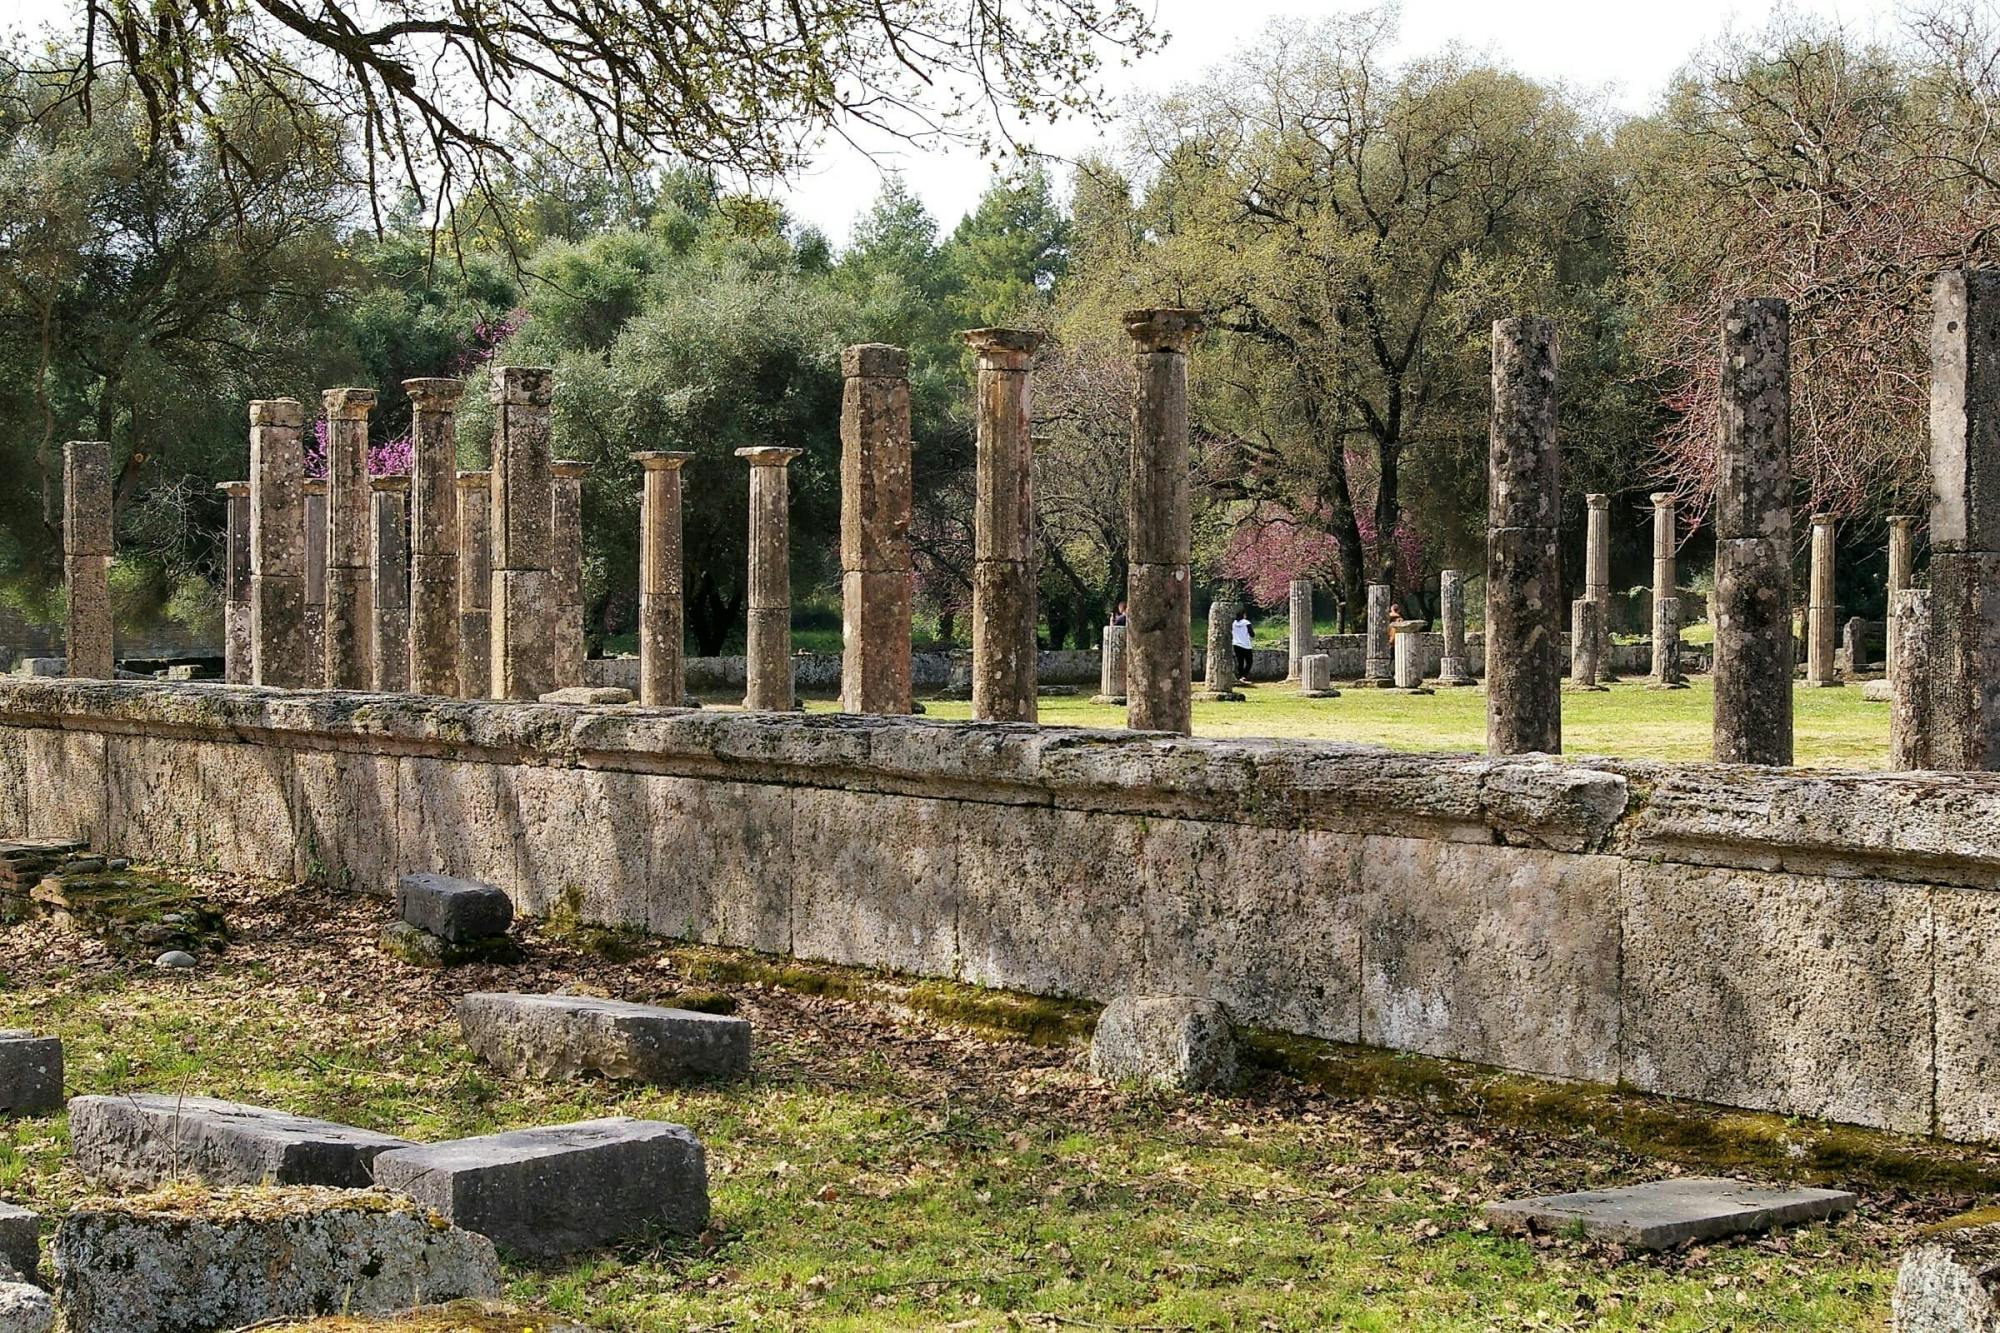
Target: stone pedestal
x,y
1821,632
1902,549
281,646
475,585
1316,677
1408,652
1964,666
1910,688
1666,673
875,508
1597,576
1379,663
236,640
1299,643
1586,644
1111,667
1752,606
87,552
566,548
1219,676
389,587
313,504
1159,607
1003,572
1453,669
349,598
768,643
1523,573
434,575
523,610
662,624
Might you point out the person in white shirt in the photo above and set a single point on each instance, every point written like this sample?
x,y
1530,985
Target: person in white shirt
x,y
1239,638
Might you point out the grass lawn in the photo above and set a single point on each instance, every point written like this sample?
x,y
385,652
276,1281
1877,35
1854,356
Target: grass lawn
x,y
889,1167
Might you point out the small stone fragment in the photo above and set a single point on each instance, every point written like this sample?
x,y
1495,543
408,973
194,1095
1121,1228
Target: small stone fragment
x,y
1950,1284
543,1036
454,910
1172,1041
175,959
1661,1214
25,1308
31,1073
146,1139
20,1241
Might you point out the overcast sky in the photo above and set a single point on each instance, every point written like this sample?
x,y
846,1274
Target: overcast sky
x,y
1627,50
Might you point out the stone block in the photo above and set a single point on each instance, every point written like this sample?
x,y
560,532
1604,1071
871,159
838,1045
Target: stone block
x,y
588,694
1966,937
1950,1283
53,781
1180,1042
174,1262
146,1139
542,1036
191,802
1661,1214
1050,899
20,1241
558,1189
876,882
522,633
457,910
349,826
31,1073
25,1308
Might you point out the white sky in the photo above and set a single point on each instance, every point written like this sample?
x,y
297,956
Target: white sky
x,y
1628,50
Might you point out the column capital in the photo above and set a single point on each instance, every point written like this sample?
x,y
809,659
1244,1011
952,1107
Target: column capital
x,y
1902,520
530,386
390,481
569,468
1164,328
474,481
235,490
348,404
874,361
277,412
434,394
314,486
768,455
1822,520
656,460
1661,499
1003,349
1597,500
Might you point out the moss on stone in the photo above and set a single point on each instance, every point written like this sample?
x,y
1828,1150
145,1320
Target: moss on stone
x,y
253,1203
134,911
420,948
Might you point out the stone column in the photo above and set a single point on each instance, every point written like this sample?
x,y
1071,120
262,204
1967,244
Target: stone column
x,y
1586,644
312,508
1965,521
1219,676
434,623
1003,570
1378,665
475,584
1821,632
1853,645
1752,610
389,587
349,614
566,542
768,641
1159,609
1409,655
662,628
1316,677
1910,689
1523,569
1111,667
875,506
1300,642
281,644
523,601
1666,674
1452,669
1667,645
1597,577
1902,550
236,641
87,551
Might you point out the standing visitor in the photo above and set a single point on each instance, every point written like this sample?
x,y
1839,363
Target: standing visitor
x,y
1239,639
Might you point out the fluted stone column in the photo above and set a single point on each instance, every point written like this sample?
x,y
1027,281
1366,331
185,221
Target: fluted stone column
x,y
1910,690
1586,644
389,586
1753,538
1378,663
312,509
1316,677
566,541
1219,674
1597,577
523,601
875,508
281,644
1666,673
662,626
1965,520
434,624
1523,568
1003,570
1452,668
768,642
1159,606
1111,667
475,585
1822,634
1299,642
236,641
87,550
349,612
1902,551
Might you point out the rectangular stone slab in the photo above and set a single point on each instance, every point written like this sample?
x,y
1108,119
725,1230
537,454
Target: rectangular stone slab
x,y
458,910
545,1036
149,1138
1663,1213
557,1189
20,1232
31,1073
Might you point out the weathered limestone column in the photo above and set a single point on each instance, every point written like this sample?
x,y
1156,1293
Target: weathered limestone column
x,y
1219,675
1523,568
566,541
1667,635
1452,669
1316,677
1003,570
349,614
662,628
475,585
1910,690
1753,538
280,653
1902,550
523,602
312,507
236,641
87,551
1597,577
1111,667
1378,665
1965,521
389,588
1586,644
1853,645
1159,607
875,507
1666,674
1821,632
1409,656
434,624
768,641
1299,643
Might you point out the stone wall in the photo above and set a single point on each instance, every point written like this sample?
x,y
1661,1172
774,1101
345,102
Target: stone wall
x,y
1818,944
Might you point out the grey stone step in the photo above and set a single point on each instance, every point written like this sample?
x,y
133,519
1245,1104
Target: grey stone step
x,y
557,1189
546,1036
148,1138
1663,1213
456,910
31,1073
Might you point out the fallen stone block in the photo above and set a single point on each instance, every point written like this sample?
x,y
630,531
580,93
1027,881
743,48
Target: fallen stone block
x,y
457,911
25,1308
1878,691
557,1189
185,1259
547,1036
1171,1041
1661,1214
31,1073
147,1139
588,694
1950,1284
20,1241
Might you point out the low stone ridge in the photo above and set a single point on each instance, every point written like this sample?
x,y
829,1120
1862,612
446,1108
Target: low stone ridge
x,y
182,1259
20,1241
588,694
31,1073
134,912
457,911
1950,1284
457,1317
25,1308
546,1036
147,1139
560,1188
1661,1214
1171,1041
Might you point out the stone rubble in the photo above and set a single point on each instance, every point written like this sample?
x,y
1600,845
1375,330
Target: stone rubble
x,y
555,1036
